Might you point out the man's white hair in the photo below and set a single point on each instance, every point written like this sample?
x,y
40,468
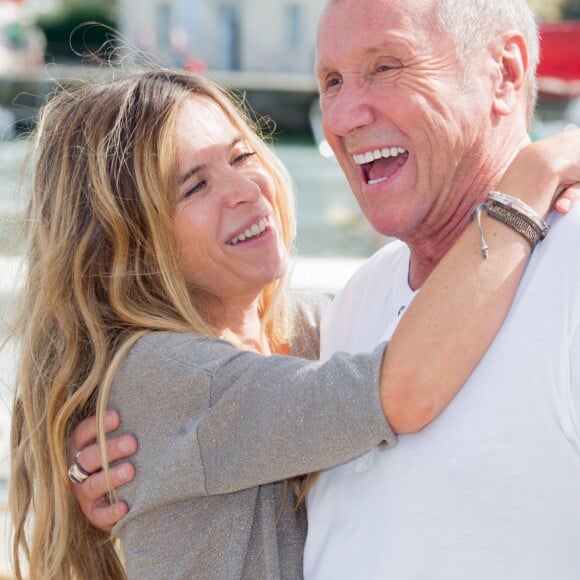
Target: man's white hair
x,y
474,24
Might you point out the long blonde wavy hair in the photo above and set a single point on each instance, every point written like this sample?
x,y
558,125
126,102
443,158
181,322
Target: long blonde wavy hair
x,y
102,271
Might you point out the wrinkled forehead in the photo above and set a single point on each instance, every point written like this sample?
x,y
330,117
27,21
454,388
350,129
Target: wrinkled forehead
x,y
387,13
359,26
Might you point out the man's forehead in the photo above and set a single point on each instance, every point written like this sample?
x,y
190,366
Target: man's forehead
x,y
366,24
382,12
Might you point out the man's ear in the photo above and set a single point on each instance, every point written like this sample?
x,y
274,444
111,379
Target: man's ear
x,y
512,63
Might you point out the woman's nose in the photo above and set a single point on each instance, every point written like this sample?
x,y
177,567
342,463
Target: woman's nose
x,y
242,188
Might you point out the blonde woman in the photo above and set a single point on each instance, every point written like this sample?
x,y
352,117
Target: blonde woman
x,y
160,226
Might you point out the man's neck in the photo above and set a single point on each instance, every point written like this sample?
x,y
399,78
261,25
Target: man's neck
x,y
431,242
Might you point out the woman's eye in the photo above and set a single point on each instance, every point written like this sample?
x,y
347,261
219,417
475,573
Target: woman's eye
x,y
243,157
197,188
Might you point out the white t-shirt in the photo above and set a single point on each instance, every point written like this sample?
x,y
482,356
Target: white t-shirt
x,y
490,489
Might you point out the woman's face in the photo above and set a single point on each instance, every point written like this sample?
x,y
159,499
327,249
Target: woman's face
x,y
228,237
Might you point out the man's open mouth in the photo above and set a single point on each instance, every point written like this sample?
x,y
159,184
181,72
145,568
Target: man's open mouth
x,y
380,164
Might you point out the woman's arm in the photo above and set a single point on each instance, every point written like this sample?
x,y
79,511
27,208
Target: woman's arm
x,y
462,305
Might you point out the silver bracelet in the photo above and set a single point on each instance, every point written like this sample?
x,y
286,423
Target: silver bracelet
x,y
523,210
514,213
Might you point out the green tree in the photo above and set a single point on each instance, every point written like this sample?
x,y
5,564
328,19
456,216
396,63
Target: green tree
x,y
78,31
571,10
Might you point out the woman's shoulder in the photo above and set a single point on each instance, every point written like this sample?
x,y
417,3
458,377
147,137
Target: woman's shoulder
x,y
309,304
189,350
181,366
307,309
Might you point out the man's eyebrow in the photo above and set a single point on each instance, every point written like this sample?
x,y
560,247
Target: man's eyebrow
x,y
321,70
191,172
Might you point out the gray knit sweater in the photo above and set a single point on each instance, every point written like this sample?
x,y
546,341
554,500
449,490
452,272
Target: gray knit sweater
x,y
216,427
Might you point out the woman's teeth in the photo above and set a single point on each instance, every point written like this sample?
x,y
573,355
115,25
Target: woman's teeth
x,y
385,152
251,232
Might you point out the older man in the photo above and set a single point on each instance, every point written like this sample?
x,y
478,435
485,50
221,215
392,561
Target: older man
x,y
425,103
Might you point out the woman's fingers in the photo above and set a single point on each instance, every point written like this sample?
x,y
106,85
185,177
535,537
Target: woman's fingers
x,y
92,494
95,487
568,198
83,449
85,432
89,457
106,516
93,498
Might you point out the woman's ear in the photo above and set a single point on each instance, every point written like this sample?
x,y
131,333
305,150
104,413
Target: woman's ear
x,y
512,63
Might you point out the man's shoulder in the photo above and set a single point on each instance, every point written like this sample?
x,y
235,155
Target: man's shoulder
x,y
375,269
562,244
565,226
368,288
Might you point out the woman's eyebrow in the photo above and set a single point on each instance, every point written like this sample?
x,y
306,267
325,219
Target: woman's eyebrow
x,y
191,172
183,178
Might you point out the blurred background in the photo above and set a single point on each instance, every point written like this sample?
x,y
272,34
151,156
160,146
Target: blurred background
x,y
263,49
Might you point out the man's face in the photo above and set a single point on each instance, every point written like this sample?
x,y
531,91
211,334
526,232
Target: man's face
x,y
405,127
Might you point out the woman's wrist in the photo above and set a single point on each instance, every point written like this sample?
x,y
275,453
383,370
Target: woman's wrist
x,y
534,177
514,214
543,170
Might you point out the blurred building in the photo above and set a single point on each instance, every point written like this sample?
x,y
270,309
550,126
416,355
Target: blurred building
x,y
273,36
264,36
252,36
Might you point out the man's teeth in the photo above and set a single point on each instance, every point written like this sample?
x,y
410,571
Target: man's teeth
x,y
385,152
251,232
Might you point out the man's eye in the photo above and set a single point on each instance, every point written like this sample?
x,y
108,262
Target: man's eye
x,y
391,65
331,84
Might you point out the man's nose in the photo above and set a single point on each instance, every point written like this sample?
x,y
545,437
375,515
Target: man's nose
x,y
347,111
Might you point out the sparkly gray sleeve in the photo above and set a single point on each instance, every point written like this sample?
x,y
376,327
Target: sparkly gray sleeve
x,y
284,417
211,419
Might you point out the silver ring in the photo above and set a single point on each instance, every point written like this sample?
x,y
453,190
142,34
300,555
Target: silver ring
x,y
76,473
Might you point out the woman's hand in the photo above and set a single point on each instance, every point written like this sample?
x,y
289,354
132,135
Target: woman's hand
x,y
568,198
571,194
91,494
546,173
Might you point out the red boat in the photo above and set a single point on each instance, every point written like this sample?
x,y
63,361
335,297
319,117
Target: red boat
x,y
558,78
559,68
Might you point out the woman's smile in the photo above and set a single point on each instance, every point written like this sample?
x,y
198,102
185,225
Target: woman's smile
x,y
256,230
